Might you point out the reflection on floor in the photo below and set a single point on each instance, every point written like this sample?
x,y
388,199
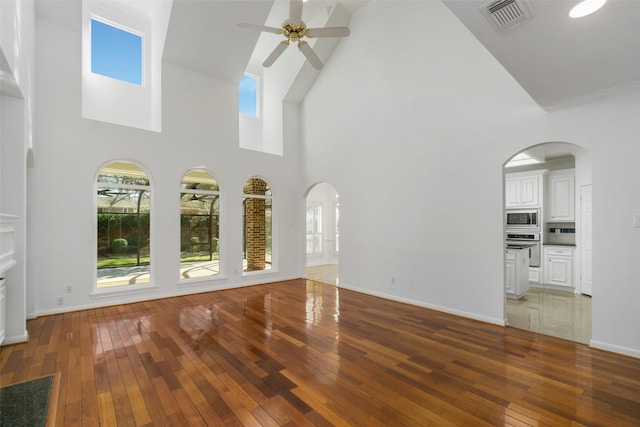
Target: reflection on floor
x,y
557,313
327,273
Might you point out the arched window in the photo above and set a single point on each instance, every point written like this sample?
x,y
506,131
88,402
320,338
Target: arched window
x,y
257,225
123,216
199,225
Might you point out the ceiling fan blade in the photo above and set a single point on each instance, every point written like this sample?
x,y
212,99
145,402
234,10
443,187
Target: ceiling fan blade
x,y
310,55
328,32
282,46
260,28
295,11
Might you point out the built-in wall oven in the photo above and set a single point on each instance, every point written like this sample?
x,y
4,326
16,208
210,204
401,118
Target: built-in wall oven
x,y
523,218
526,239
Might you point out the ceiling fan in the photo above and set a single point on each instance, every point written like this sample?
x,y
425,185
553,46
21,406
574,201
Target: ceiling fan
x,y
294,29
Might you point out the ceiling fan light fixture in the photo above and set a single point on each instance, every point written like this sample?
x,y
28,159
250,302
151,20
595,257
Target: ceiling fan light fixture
x,y
294,29
586,7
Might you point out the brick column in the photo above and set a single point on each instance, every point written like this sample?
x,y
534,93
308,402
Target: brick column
x,y
255,219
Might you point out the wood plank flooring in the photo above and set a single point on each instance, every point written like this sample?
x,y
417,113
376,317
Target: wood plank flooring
x,y
304,353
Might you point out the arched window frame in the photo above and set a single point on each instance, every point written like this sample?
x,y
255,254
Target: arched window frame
x,y
200,192
107,291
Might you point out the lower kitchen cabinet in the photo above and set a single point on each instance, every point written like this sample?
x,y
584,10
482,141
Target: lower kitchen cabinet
x,y
558,265
517,272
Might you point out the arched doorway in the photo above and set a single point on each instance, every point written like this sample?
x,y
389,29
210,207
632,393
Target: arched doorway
x,y
322,233
547,204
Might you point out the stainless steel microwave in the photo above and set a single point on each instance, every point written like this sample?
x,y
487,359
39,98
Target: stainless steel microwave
x,y
523,218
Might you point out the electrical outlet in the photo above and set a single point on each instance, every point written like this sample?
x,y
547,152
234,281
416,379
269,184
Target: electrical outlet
x,y
60,300
636,220
68,289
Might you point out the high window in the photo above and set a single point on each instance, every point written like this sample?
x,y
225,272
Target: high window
x,y
122,47
123,217
248,96
257,225
199,225
116,53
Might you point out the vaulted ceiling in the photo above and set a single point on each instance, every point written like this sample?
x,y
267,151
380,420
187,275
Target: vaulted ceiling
x,y
556,59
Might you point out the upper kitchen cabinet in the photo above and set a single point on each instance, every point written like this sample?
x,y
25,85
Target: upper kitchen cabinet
x,y
524,189
561,195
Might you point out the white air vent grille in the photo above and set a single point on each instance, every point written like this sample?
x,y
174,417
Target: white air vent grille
x,y
506,14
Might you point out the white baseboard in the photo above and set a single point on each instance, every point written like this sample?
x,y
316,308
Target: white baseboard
x,y
615,348
474,316
16,340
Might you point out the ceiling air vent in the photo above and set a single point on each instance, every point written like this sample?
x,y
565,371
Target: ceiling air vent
x,y
506,14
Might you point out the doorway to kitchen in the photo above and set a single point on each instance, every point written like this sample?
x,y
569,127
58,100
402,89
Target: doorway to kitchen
x,y
547,230
322,233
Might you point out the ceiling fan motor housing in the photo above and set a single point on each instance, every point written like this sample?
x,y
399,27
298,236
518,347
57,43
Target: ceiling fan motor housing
x,y
294,32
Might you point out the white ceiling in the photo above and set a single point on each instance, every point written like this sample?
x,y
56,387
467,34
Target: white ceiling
x,y
203,35
557,59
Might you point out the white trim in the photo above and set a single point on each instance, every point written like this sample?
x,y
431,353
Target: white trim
x,y
142,298
460,313
201,281
114,291
265,272
16,340
615,348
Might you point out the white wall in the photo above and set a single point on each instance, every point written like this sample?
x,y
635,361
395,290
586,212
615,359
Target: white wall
x,y
200,128
416,143
16,42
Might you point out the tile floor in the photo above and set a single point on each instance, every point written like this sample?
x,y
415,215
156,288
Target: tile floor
x,y
550,312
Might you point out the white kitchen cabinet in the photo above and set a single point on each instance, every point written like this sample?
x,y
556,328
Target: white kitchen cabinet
x,y
561,195
523,189
517,272
534,274
558,265
510,266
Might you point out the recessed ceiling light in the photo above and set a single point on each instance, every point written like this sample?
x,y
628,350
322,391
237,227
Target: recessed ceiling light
x,y
586,7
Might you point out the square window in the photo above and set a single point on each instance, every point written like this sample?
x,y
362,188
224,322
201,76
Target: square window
x,y
248,96
116,53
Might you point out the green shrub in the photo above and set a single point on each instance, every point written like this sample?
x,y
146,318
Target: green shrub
x,y
195,247
119,245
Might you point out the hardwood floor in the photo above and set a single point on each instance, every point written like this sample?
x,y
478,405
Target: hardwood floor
x,y
325,273
305,353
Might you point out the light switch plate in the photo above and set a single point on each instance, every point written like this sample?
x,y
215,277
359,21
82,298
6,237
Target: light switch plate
x,y
636,220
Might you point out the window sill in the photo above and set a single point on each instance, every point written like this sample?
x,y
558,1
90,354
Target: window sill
x,y
260,273
200,281
122,290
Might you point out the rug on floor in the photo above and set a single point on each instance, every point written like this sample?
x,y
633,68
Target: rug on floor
x,y
25,404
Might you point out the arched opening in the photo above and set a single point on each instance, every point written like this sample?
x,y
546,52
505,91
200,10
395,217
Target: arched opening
x,y
547,226
322,233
